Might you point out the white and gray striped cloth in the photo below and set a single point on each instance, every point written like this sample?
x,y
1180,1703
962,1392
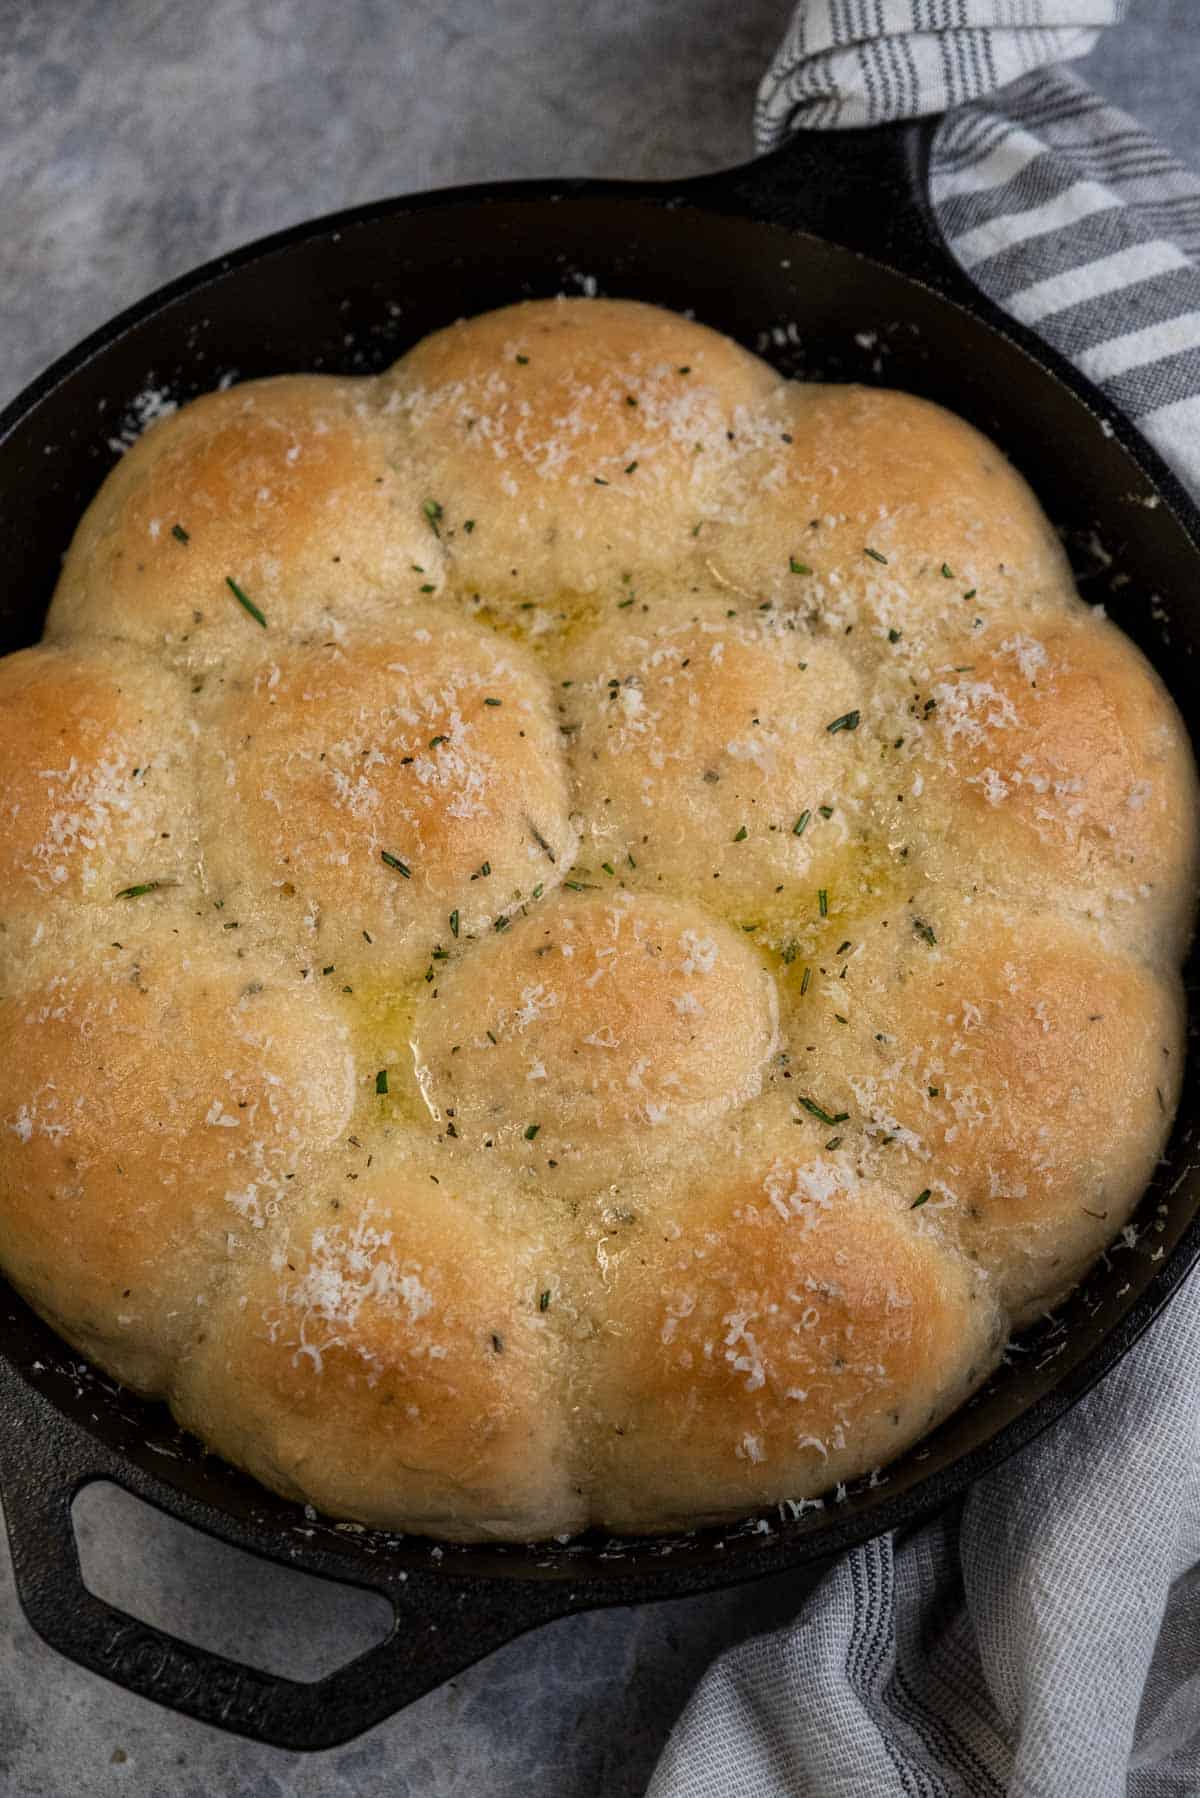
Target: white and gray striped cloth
x,y
1043,1641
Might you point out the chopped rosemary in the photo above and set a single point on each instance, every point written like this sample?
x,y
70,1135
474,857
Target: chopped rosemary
x,y
179,534
531,1131
894,636
381,1082
523,360
742,834
806,982
947,572
875,556
920,1199
145,886
468,525
798,567
822,1116
433,513
971,594
847,721
544,1301
454,922
434,741
823,901
826,811
608,868
493,702
244,599
801,824
630,468
925,932
393,861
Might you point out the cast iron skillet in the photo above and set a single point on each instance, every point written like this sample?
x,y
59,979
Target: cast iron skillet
x,y
824,256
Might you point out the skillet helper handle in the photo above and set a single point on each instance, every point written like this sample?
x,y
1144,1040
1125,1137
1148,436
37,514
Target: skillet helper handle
x,y
442,1624
866,189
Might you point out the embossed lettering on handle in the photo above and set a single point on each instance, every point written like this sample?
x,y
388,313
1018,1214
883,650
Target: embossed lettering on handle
x,y
168,1671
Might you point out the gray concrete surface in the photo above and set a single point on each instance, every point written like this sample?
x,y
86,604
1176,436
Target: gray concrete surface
x,y
138,137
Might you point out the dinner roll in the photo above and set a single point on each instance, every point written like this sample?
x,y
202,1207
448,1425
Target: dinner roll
x,y
385,1354
279,501
158,1111
387,787
773,1334
568,444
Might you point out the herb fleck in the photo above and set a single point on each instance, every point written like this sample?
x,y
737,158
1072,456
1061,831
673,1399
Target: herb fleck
x,y
822,1116
393,861
244,600
145,886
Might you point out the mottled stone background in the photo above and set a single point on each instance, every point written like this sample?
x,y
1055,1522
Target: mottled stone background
x,y
140,137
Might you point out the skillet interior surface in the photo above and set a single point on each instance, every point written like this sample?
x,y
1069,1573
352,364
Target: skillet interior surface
x,y
349,295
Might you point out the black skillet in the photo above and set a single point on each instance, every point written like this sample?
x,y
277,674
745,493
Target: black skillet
x,y
825,257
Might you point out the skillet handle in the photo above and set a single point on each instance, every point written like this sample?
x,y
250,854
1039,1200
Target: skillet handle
x,y
866,189
442,1624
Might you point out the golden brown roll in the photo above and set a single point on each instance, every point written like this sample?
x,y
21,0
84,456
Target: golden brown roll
x,y
278,500
159,1110
584,930
777,1330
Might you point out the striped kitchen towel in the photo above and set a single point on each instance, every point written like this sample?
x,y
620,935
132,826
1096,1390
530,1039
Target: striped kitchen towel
x,y
1043,1641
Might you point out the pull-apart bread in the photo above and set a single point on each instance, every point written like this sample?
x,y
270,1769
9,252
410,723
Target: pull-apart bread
x,y
584,929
